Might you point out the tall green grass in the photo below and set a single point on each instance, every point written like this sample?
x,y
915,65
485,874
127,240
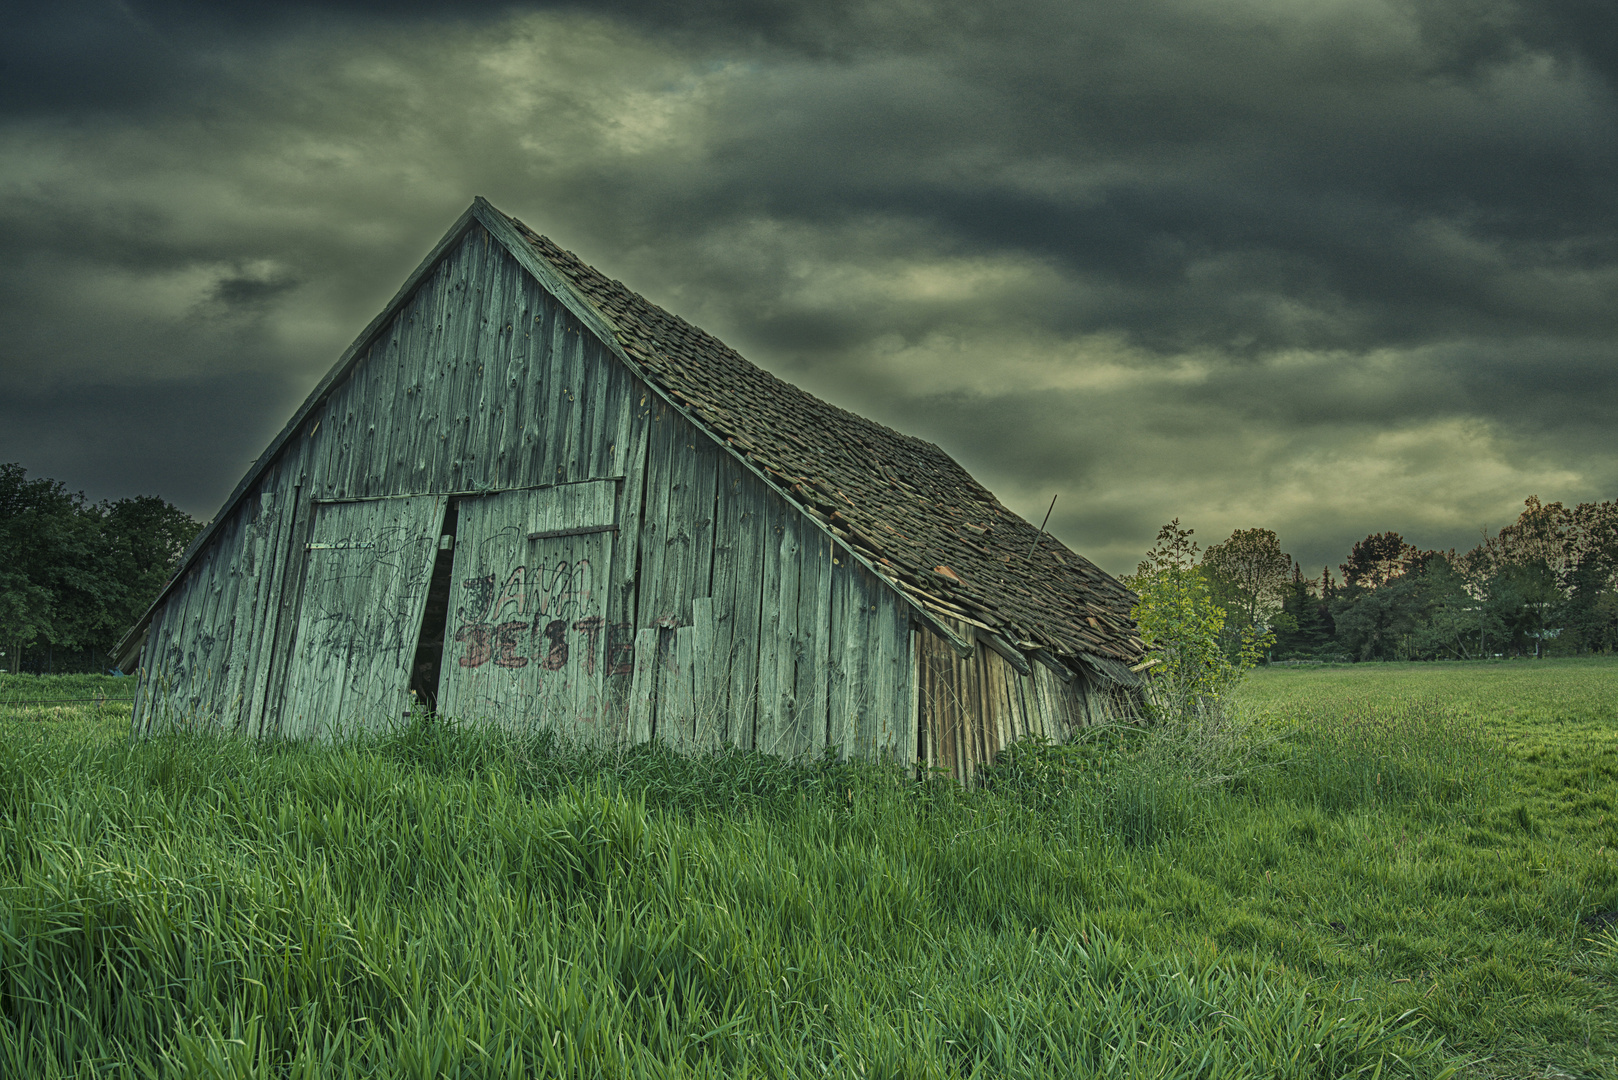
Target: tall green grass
x,y
446,902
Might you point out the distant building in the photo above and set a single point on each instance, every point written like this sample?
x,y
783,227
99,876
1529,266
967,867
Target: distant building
x,y
527,496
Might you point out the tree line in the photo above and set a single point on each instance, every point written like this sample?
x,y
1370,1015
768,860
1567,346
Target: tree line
x,y
75,575
1547,583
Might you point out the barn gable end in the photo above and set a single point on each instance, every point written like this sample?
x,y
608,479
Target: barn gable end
x,y
513,498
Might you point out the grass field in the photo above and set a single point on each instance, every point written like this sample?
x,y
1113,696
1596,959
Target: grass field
x,y
1418,877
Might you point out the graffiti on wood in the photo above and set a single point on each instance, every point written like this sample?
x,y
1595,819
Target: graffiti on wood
x,y
538,615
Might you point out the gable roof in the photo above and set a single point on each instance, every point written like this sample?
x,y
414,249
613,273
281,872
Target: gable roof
x,y
909,508
901,503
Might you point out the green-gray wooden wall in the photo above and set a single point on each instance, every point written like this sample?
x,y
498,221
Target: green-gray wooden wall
x,y
751,625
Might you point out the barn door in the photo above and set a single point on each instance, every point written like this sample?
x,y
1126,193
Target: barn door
x,y
365,585
525,646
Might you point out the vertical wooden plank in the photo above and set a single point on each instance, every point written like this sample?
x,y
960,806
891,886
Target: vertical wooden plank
x,y
267,666
149,690
458,343
643,691
441,373
676,704
707,679
813,634
842,710
655,594
508,378
287,617
698,508
564,396
910,702
255,514
622,615
596,389
739,542
530,364
498,277
778,624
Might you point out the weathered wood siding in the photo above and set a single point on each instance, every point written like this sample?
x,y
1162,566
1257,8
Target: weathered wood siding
x,y
368,564
970,707
526,644
728,616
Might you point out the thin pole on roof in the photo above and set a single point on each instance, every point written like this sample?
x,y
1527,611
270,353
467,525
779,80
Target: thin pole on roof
x,y
1042,525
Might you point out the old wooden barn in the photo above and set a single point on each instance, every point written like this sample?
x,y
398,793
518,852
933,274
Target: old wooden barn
x,y
528,496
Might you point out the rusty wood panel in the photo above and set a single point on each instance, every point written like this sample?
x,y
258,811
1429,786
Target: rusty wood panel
x,y
361,610
952,706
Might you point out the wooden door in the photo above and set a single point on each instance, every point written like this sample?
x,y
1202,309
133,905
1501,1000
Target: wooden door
x,y
526,642
366,574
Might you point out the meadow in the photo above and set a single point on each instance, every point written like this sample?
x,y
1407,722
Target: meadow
x,y
1413,873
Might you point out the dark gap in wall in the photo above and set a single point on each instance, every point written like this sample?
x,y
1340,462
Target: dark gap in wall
x,y
435,618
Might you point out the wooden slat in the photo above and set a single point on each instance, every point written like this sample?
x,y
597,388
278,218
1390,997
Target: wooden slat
x,y
707,679
643,691
740,527
778,625
676,705
622,615
845,675
813,641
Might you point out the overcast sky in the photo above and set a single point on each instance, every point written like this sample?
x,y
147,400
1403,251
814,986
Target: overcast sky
x,y
1327,267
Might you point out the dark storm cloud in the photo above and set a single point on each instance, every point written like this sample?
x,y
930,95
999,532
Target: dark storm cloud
x,y
101,439
1291,264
